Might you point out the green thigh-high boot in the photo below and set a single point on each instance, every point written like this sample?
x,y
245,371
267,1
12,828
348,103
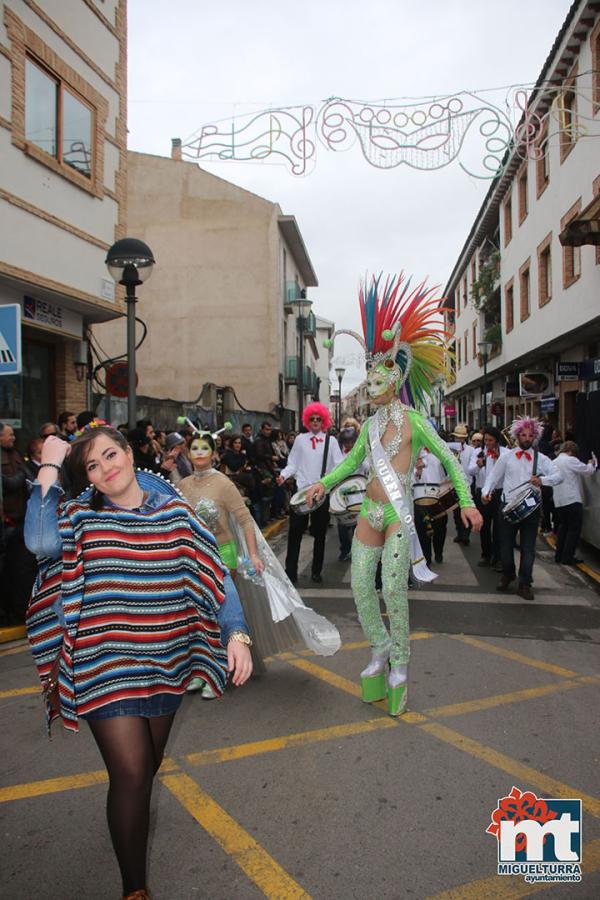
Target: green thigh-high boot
x,y
395,570
365,560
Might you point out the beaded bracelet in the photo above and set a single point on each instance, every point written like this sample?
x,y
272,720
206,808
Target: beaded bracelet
x,y
51,466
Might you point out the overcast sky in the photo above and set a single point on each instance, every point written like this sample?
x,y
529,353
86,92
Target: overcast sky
x,y
193,62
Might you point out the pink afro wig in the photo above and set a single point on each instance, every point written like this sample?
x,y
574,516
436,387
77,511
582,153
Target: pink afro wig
x,y
316,409
526,422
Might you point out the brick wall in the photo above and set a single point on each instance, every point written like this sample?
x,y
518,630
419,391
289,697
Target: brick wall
x,y
69,392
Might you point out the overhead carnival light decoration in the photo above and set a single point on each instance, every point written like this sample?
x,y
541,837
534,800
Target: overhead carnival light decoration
x,y
426,134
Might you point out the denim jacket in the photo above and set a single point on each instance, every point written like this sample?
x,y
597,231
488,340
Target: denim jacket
x,y
43,539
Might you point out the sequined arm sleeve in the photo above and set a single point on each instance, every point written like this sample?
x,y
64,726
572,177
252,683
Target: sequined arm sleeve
x,y
424,435
349,464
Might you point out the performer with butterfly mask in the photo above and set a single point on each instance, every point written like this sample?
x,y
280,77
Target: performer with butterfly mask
x,y
522,472
278,619
405,349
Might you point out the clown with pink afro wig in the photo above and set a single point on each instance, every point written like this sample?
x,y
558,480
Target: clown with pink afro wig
x,y
523,423
316,409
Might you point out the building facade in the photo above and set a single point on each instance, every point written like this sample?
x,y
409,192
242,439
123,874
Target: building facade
x,y
63,179
520,285
221,307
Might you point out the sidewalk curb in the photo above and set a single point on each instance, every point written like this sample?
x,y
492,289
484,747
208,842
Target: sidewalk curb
x,y
12,633
583,567
274,528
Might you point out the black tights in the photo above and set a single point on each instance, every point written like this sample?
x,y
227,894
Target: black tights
x,y
132,749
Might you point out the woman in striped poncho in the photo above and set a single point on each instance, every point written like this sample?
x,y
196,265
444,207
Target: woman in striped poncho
x,y
129,606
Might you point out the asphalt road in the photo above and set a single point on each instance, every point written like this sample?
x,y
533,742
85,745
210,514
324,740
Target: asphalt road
x,y
293,788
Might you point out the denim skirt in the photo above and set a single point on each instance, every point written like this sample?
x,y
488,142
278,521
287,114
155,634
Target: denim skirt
x,y
146,707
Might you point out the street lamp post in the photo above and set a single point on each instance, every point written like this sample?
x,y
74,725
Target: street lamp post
x,y
484,349
302,307
340,374
130,262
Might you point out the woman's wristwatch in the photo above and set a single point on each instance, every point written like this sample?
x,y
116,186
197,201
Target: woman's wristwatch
x,y
241,637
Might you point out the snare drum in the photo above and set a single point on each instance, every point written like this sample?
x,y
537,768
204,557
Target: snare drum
x,y
346,499
522,504
299,505
435,499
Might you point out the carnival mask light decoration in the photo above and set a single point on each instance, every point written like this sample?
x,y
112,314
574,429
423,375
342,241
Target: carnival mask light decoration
x,y
404,342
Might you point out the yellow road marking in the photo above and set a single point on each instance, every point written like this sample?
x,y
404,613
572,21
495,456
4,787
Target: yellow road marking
x,y
338,681
469,706
518,771
66,783
253,859
255,748
19,692
512,887
52,786
517,657
591,572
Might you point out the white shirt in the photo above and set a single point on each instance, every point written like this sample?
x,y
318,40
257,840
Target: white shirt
x,y
480,473
517,470
463,453
306,458
433,471
571,469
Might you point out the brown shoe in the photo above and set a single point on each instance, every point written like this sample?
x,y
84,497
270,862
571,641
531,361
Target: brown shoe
x,y
505,582
524,591
137,895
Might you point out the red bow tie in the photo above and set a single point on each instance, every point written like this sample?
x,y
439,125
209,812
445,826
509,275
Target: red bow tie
x,y
524,453
493,454
316,440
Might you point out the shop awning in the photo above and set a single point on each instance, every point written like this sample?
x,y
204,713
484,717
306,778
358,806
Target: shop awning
x,y
585,229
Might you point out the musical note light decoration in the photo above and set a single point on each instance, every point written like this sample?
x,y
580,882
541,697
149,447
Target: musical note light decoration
x,y
426,134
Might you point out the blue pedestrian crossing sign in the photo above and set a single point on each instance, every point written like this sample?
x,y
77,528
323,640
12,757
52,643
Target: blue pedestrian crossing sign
x,y
10,339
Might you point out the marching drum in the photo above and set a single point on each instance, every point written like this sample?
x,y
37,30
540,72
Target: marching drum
x,y
299,505
346,499
524,502
435,499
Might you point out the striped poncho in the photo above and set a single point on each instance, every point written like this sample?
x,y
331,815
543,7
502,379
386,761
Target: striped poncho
x,y
139,592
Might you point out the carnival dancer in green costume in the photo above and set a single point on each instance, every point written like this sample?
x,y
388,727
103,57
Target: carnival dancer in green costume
x,y
406,350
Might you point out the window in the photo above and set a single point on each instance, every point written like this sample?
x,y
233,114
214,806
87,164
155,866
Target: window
x,y
544,271
595,45
509,306
568,116
57,117
459,361
542,162
465,294
508,220
473,270
522,185
457,301
524,291
466,339
56,120
571,256
474,341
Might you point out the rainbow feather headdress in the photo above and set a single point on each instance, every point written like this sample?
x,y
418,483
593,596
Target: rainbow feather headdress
x,y
403,328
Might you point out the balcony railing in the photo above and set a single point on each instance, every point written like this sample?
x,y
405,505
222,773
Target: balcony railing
x,y
291,375
291,292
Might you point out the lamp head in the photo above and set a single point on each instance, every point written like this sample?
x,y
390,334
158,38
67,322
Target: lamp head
x,y
130,261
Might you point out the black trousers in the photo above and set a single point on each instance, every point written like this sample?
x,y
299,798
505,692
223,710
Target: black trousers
x,y
490,530
569,529
527,531
463,533
18,569
435,535
319,520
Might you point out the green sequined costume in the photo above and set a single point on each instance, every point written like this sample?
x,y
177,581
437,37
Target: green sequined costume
x,y
395,554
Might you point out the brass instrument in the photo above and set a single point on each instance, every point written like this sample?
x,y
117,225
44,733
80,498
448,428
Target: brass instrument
x,y
510,441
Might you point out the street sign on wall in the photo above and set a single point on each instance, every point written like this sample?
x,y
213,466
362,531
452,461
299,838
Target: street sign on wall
x,y
10,339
